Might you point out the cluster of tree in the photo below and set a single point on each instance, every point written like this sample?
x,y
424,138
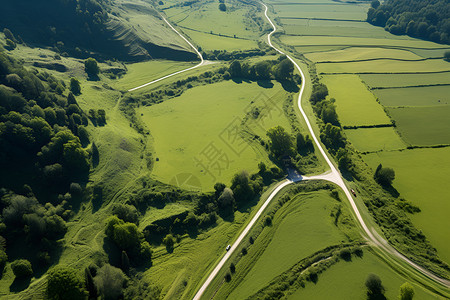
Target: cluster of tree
x,y
281,70
27,223
129,240
11,40
423,19
97,117
234,55
375,289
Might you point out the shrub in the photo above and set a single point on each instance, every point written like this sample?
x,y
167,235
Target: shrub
x,y
3,260
374,286
75,86
91,67
21,268
65,284
222,7
109,282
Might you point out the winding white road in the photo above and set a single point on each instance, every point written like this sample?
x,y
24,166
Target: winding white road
x,y
202,61
332,176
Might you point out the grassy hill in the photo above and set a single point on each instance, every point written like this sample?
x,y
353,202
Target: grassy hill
x,y
127,30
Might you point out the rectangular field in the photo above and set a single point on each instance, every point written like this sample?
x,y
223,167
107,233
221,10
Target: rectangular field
x,y
323,10
375,139
355,105
199,132
414,96
423,125
393,80
421,176
384,66
358,53
213,42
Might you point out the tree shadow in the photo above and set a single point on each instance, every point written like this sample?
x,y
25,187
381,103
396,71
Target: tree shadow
x,y
391,190
267,84
20,284
237,80
290,86
92,77
376,297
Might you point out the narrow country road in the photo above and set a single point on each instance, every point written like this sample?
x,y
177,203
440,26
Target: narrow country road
x,y
202,61
332,176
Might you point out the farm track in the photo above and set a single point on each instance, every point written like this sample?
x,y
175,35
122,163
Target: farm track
x,y
332,176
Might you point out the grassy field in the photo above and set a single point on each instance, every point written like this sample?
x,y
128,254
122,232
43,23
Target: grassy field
x,y
375,139
186,129
300,228
340,11
355,106
422,177
143,72
393,80
423,125
414,96
213,42
345,280
384,66
351,54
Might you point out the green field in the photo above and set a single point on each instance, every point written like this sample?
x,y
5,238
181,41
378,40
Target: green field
x,y
423,125
213,42
345,280
351,54
375,139
340,11
143,72
394,80
384,66
355,105
422,177
202,119
414,96
301,227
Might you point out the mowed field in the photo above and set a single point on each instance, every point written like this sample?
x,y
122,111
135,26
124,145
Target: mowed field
x,y
200,132
212,29
143,72
376,58
422,177
345,280
355,105
300,228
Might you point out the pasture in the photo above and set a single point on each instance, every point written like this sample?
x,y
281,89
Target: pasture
x,y
322,11
345,280
394,80
422,178
355,105
375,139
300,228
414,96
143,72
200,132
423,125
354,54
385,66
214,42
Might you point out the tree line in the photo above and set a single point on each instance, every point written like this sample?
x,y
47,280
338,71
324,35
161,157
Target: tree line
x,y
424,19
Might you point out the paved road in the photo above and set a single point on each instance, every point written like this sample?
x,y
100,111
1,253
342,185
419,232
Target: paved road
x,y
202,61
332,176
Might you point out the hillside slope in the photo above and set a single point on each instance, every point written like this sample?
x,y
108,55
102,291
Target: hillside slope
x,y
128,30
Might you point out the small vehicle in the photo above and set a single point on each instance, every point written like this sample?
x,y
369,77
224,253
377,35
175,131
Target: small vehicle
x,y
228,247
353,192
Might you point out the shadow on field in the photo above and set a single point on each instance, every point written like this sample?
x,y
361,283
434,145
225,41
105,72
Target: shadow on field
x,y
19,285
290,86
267,84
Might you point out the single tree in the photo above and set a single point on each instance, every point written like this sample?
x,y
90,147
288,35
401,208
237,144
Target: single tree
x,y
374,286
447,56
75,86
63,283
384,176
235,69
280,141
406,291
375,4
91,67
222,7
22,268
109,282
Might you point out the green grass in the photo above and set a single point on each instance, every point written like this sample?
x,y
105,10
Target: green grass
x,y
384,66
183,127
422,178
361,54
423,125
355,105
143,72
213,42
345,280
414,96
356,41
375,139
301,227
394,80
340,11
